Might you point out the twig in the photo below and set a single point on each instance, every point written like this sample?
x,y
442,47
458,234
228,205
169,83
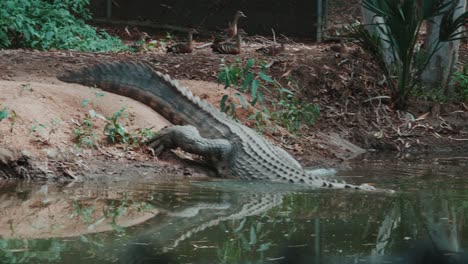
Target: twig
x,y
458,139
287,39
466,107
453,158
258,38
378,97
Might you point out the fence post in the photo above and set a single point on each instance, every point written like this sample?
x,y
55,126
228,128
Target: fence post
x,y
109,10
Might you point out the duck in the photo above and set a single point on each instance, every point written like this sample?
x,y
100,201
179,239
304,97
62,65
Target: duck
x,y
228,48
183,47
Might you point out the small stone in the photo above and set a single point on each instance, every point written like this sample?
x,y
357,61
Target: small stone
x,y
51,153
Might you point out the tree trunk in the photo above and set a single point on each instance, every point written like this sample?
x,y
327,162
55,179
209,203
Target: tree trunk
x,y
465,40
438,71
371,21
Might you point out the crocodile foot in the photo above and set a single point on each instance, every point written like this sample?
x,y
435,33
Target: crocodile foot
x,y
189,139
163,140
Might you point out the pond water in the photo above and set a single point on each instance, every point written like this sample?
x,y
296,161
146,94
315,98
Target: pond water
x,y
226,221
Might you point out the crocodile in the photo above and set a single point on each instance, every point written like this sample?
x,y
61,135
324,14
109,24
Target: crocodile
x,y
232,149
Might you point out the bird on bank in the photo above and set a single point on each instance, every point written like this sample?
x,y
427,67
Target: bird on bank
x,y
229,48
183,47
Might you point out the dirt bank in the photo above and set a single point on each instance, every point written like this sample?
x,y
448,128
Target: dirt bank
x,y
39,139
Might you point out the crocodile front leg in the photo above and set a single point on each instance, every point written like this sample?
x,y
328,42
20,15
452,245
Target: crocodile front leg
x,y
216,151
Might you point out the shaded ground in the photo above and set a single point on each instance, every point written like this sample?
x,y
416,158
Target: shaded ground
x,y
344,83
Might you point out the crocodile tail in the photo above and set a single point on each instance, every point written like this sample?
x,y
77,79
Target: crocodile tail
x,y
139,81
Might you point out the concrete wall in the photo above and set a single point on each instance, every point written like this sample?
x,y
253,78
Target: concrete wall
x,y
289,17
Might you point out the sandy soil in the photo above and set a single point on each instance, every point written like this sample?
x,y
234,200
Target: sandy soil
x,y
47,111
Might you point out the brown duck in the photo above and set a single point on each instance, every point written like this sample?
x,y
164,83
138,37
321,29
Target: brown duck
x,y
228,48
230,32
186,47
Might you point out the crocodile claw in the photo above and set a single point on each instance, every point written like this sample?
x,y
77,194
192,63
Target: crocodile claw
x,y
161,141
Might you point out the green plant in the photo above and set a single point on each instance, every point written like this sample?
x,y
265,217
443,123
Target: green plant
x,y
168,36
48,24
22,250
261,120
116,209
83,212
399,31
84,134
141,135
243,78
13,117
26,87
117,133
461,79
290,112
37,128
4,113
163,42
114,130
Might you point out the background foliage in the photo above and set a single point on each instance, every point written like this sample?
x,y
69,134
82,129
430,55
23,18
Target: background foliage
x,y
398,35
51,24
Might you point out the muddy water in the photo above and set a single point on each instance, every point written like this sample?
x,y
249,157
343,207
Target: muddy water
x,y
425,221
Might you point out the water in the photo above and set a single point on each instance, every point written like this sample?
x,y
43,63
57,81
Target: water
x,y
237,222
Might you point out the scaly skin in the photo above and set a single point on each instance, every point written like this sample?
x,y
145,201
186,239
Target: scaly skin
x,y
232,148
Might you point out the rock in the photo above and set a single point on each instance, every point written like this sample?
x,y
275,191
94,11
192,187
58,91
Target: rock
x,y
6,157
15,164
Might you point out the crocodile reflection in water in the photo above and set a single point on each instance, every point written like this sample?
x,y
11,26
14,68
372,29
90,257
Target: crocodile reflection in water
x,y
444,236
182,214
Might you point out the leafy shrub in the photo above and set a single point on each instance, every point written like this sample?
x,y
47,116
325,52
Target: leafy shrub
x,y
116,132
244,78
289,112
402,21
84,134
461,79
51,24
